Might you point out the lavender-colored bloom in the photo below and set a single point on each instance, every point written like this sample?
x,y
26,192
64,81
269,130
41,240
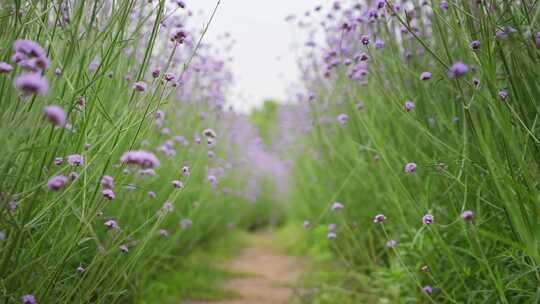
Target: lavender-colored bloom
x,y
124,248
337,206
475,45
181,3
427,219
152,194
57,182
107,182
211,154
379,44
209,133
476,82
28,299
57,72
391,244
427,290
155,73
537,40
185,171
342,118
167,207
503,95
186,223
75,160
410,167
55,115
31,84
94,65
140,86
307,224
142,158
177,184
443,5
5,67
379,218
359,105
365,40
457,70
73,175
163,233
108,194
467,215
409,105
58,161
111,224
331,235
212,179
169,77
425,76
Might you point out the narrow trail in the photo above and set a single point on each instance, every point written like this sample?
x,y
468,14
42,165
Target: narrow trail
x,y
267,274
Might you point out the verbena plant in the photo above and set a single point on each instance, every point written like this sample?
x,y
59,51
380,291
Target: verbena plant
x,y
112,131
423,125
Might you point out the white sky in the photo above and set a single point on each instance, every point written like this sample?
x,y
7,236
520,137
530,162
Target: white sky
x,y
262,36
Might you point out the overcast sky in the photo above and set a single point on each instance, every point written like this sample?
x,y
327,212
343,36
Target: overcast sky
x,y
263,63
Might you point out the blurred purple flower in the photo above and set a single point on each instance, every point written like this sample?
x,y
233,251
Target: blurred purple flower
x,y
379,218
503,95
342,118
108,194
5,67
457,70
337,206
427,290
28,299
31,84
427,219
75,160
141,158
107,182
467,215
140,86
57,182
410,167
391,244
475,45
425,76
111,224
55,115
409,105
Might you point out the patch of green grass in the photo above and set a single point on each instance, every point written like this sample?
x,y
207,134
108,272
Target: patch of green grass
x,y
198,276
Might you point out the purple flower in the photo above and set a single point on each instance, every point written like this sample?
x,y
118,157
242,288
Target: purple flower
x,y
5,67
427,219
212,179
155,73
537,40
142,158
337,206
111,224
364,39
178,36
108,194
28,48
177,184
503,95
73,175
55,115
186,223
342,118
107,182
475,45
443,5
467,215
29,55
31,84
124,248
425,76
28,299
209,133
410,167
457,70
476,82
163,233
391,244
185,171
427,290
307,224
58,161
57,182
409,105
75,160
181,3
167,207
152,194
169,77
379,44
379,218
140,86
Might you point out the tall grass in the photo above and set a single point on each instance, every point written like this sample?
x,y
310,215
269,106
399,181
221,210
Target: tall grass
x,y
474,139
55,245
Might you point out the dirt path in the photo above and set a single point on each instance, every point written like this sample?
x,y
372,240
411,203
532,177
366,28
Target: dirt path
x,y
268,275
